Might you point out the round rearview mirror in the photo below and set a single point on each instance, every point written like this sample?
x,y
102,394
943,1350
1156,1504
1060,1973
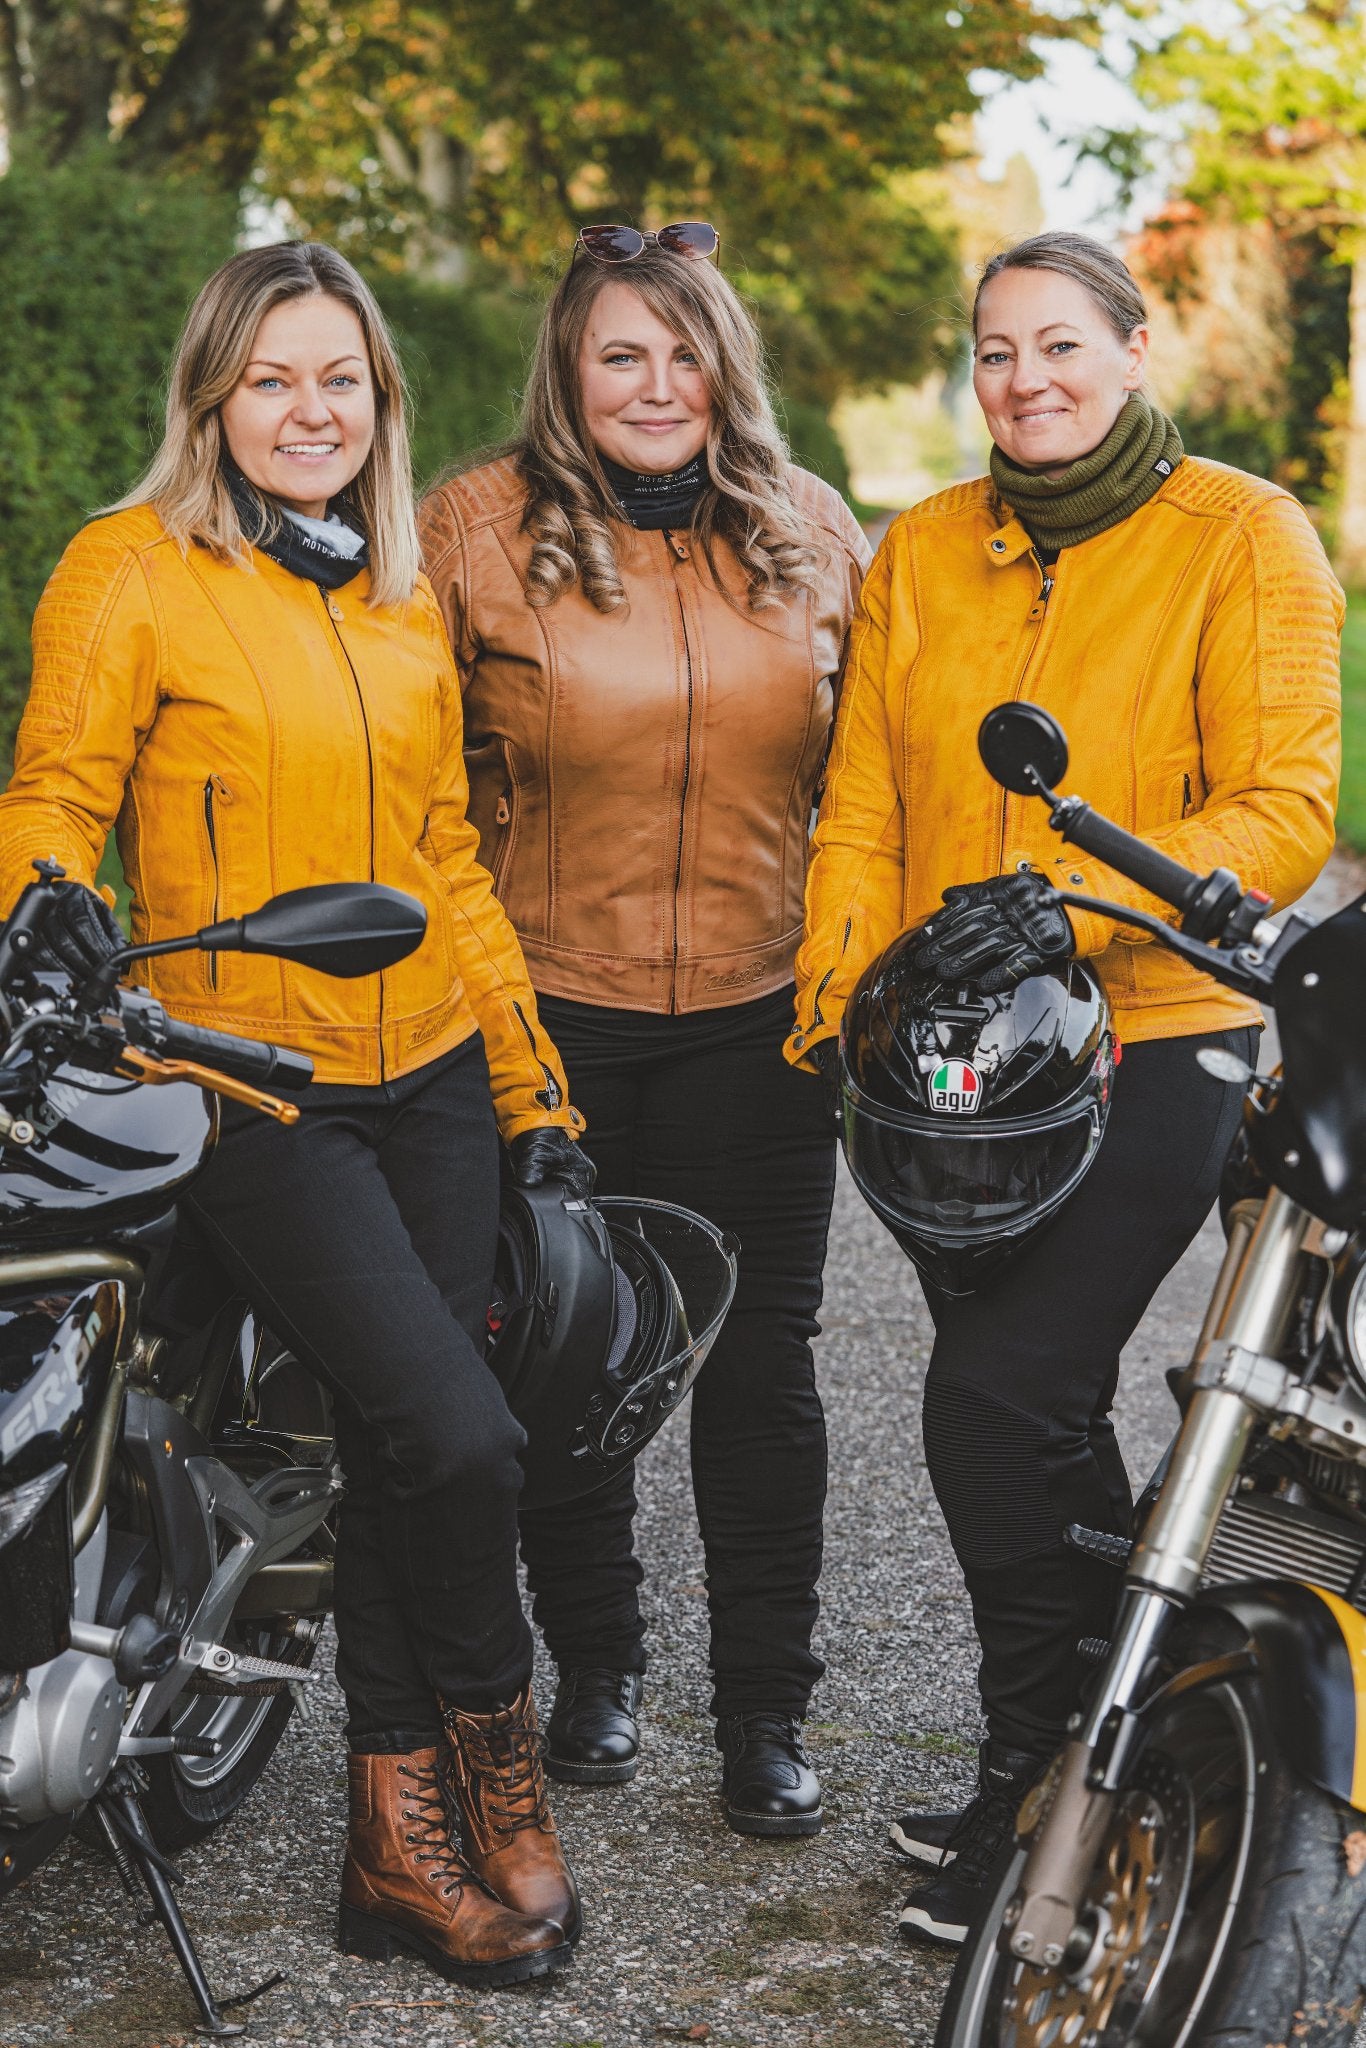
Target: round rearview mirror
x,y
341,928
1021,746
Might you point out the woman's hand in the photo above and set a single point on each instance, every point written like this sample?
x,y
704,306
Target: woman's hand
x,y
80,933
549,1153
992,934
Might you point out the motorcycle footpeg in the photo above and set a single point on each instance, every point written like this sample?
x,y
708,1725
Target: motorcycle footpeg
x,y
225,1670
1099,1544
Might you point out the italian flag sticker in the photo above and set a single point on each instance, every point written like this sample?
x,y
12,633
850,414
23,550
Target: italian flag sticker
x,y
956,1086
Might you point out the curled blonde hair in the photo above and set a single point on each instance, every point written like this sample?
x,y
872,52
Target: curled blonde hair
x,y
572,514
184,480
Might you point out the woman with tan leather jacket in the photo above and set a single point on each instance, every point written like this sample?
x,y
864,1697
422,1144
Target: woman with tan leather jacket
x,y
242,665
1180,620
649,606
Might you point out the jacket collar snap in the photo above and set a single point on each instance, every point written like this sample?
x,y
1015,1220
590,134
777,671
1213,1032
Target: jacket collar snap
x,y
1008,542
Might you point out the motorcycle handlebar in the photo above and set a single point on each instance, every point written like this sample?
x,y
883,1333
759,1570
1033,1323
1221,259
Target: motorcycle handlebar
x,y
1133,858
242,1059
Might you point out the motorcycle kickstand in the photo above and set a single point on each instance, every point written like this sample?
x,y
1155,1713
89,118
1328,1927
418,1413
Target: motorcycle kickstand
x,y
130,1844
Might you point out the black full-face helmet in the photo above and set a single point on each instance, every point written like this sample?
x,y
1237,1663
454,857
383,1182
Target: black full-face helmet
x,y
968,1119
603,1314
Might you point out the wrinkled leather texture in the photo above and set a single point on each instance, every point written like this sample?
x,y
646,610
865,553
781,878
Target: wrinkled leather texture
x,y
80,932
551,1154
642,780
593,1723
401,1866
1191,656
990,935
765,1768
498,1791
252,735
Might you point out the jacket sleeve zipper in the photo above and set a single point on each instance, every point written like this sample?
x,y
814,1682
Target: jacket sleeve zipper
x,y
211,829
370,769
549,1096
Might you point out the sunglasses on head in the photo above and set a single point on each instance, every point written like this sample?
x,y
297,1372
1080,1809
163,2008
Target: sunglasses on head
x,y
610,243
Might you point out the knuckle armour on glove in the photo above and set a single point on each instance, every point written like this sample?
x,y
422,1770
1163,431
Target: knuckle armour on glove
x,y
548,1153
993,934
80,932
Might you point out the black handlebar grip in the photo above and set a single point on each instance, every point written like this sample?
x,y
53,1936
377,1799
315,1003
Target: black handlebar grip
x,y
244,1059
1133,858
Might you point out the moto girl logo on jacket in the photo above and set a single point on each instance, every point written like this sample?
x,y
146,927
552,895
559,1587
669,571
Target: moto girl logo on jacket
x,y
956,1086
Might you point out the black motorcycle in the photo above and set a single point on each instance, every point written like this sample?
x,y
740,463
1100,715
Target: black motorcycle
x,y
1192,1868
167,1477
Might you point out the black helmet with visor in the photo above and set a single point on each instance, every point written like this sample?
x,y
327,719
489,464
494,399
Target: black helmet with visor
x,y
603,1314
968,1119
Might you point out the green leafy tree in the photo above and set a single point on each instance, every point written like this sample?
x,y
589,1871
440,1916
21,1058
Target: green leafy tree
x,y
1271,107
457,133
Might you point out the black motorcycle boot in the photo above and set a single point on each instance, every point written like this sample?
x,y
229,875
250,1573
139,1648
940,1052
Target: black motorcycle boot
x,y
593,1736
929,1836
766,1776
946,1909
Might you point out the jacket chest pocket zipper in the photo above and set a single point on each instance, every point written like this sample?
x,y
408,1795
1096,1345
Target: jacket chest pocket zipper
x,y
1187,798
216,792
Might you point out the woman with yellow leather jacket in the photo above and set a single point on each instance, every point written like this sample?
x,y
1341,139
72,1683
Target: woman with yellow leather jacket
x,y
242,665
1180,620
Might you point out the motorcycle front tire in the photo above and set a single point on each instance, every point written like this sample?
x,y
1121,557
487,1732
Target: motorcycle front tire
x,y
1257,1930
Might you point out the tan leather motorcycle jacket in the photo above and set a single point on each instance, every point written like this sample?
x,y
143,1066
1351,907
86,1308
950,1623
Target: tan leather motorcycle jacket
x,y
642,780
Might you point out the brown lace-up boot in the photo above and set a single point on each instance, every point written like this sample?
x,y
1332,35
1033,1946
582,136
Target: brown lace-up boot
x,y
498,1791
406,1886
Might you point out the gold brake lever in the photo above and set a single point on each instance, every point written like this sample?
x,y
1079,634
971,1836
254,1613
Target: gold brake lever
x,y
135,1065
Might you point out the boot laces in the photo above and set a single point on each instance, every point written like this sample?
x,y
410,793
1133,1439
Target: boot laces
x,y
981,1834
591,1678
784,1729
431,1842
505,1757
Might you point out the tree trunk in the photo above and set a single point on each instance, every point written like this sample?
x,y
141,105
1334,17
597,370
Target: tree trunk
x,y
63,62
1351,550
212,100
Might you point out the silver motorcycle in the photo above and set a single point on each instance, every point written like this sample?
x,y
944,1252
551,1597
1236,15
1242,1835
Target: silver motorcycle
x,y
1191,1869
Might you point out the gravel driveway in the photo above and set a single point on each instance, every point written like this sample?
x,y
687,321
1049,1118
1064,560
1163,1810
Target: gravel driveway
x,y
694,1934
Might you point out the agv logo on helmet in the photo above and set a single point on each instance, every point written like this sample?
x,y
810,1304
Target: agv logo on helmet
x,y
956,1087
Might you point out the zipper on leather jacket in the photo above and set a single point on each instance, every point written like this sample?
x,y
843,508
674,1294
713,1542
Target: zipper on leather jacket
x,y
214,786
1036,622
332,619
549,1097
687,764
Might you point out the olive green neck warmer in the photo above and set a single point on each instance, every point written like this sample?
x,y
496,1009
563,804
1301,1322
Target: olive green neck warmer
x,y
1130,466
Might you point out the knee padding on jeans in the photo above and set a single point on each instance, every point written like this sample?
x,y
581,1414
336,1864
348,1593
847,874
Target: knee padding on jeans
x,y
987,1462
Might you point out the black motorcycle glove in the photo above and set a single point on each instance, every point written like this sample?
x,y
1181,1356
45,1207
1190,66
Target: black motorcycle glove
x,y
80,934
549,1153
990,935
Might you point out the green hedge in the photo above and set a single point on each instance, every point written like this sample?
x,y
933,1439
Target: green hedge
x,y
1352,803
96,270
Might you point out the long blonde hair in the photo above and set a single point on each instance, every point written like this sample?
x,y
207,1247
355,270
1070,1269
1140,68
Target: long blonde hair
x,y
184,480
572,515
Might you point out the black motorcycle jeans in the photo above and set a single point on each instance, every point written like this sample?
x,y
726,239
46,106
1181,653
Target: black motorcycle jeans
x,y
364,1236
702,1109
1022,1376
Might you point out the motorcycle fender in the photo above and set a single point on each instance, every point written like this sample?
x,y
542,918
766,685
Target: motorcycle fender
x,y
1309,1648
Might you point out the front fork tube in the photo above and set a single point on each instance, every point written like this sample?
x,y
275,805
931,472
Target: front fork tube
x,y
1257,1286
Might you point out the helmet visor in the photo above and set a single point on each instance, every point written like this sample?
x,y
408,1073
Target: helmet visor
x,y
954,1186
700,1262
